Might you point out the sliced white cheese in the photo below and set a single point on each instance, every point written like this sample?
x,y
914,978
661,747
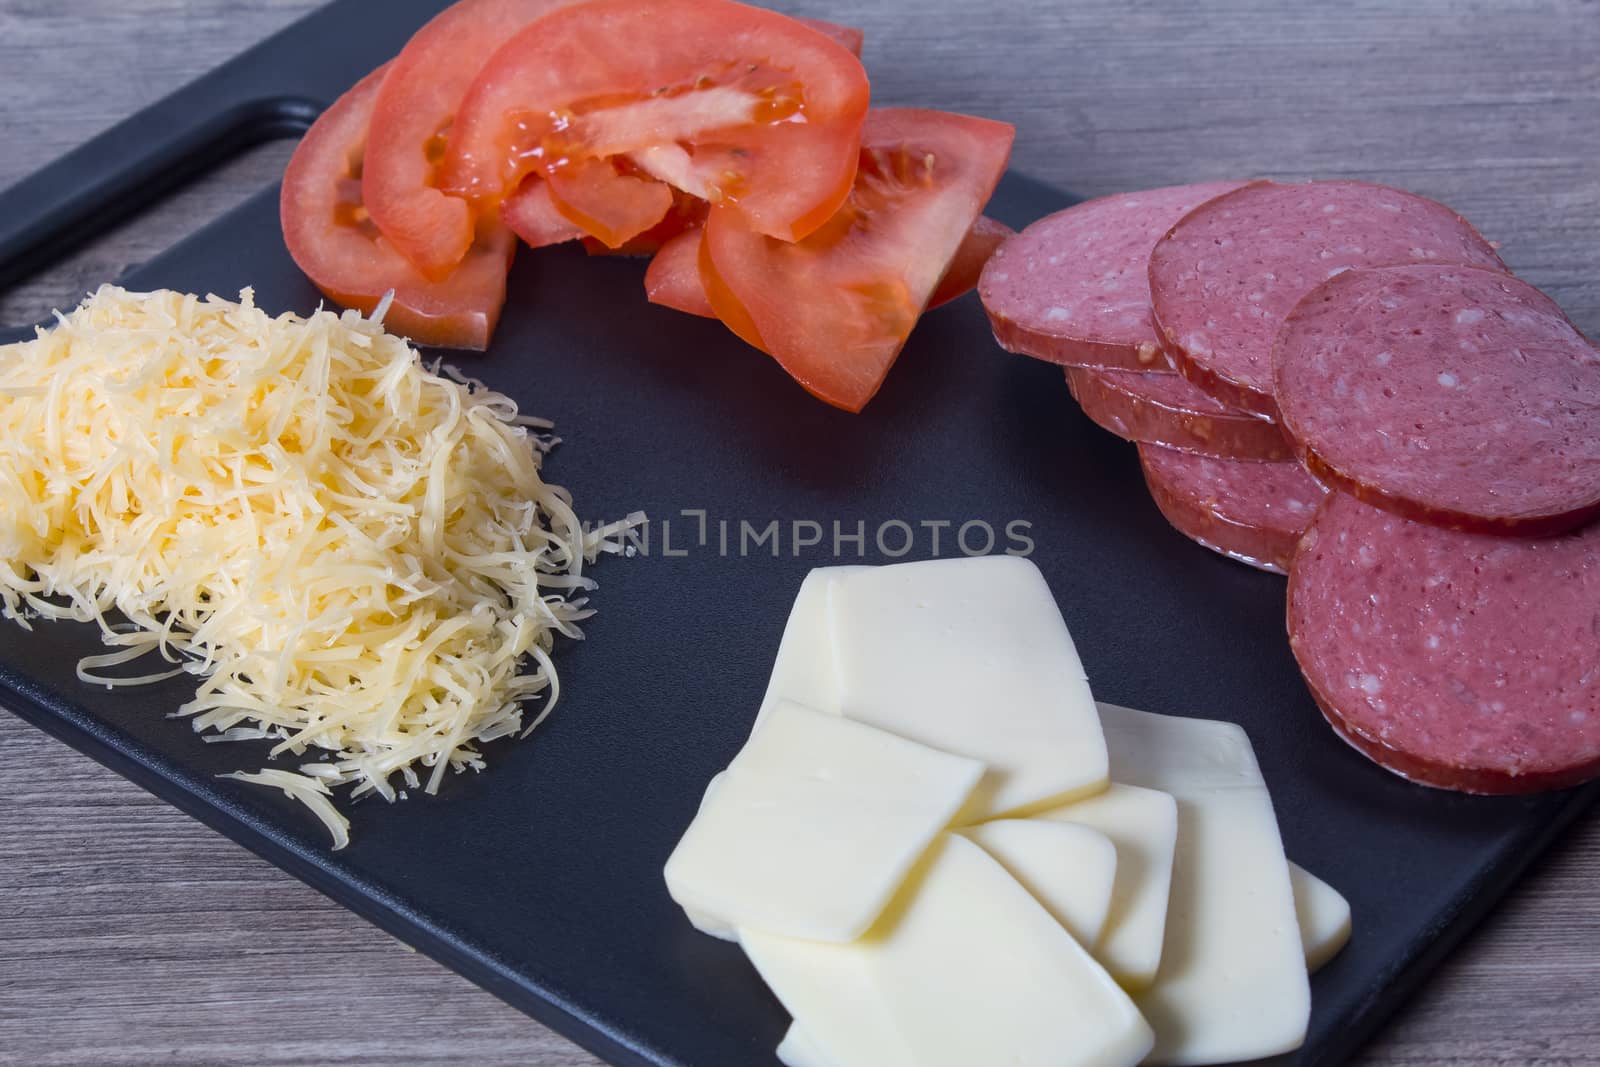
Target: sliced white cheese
x,y
1324,917
971,656
966,968
708,924
798,1050
806,670
1069,869
814,826
1143,826
1232,984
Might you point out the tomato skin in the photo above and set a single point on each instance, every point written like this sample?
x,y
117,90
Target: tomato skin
x,y
961,277
836,308
344,255
850,38
620,77
431,75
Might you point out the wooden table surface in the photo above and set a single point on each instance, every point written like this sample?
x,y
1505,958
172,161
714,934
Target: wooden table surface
x,y
130,934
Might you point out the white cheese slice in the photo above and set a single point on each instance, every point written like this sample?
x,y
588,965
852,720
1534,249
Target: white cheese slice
x,y
814,826
709,924
971,656
806,669
1232,984
1069,869
1143,826
1324,917
798,1050
966,968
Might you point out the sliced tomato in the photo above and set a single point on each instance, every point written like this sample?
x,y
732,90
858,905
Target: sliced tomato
x,y
412,118
611,202
673,277
961,277
334,240
731,104
849,37
836,308
687,213
533,216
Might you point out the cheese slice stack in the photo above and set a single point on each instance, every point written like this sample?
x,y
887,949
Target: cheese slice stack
x,y
966,968
937,849
813,795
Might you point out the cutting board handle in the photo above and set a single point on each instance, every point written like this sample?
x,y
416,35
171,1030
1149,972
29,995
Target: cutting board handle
x,y
133,164
274,89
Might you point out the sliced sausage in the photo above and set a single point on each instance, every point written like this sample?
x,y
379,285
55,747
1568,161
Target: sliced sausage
x,y
1223,279
1073,287
1459,660
1167,409
1458,396
1252,512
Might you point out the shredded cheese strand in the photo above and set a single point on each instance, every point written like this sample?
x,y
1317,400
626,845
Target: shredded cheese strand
x,y
353,551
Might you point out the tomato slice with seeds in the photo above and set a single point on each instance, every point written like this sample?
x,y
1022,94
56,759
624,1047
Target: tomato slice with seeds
x,y
335,242
412,118
729,103
836,308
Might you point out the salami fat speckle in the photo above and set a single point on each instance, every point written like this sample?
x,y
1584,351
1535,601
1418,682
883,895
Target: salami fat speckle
x,y
1459,396
1224,278
1073,288
1252,512
1167,409
1459,660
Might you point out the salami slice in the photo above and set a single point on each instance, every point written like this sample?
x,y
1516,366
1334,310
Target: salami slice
x,y
1167,409
1458,396
1223,279
1073,288
1458,660
1252,512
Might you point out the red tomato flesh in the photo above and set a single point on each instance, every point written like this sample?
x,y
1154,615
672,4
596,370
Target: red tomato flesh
x,y
532,215
687,214
412,118
610,204
961,277
729,103
673,278
333,239
836,308
851,38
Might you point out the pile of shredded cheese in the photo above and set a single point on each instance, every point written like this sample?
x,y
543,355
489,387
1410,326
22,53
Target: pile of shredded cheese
x,y
355,552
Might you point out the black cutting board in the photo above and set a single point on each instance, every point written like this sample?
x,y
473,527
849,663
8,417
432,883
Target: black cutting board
x,y
541,879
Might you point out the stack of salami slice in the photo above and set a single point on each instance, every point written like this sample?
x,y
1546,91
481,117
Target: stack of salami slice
x,y
1342,381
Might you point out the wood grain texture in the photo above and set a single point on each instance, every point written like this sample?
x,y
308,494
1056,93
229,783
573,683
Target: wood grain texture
x,y
130,934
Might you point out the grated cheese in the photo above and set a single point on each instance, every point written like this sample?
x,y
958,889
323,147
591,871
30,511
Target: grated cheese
x,y
353,551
